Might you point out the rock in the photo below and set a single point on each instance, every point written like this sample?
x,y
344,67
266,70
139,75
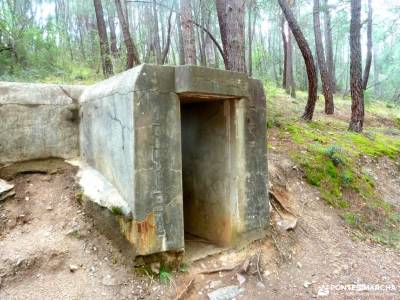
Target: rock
x,y
288,223
46,178
214,284
6,190
299,265
307,284
240,278
108,280
245,266
73,268
225,293
260,285
155,267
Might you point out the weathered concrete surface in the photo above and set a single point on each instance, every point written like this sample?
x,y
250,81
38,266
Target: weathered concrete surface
x,y
204,83
130,132
6,190
132,128
38,121
99,190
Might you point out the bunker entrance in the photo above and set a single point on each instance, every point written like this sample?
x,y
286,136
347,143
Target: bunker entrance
x,y
207,148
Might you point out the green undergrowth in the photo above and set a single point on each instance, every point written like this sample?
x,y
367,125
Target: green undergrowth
x,y
164,274
332,160
397,122
117,211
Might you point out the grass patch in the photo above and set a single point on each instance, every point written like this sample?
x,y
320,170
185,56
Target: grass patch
x,y
117,211
397,122
165,275
331,158
79,197
144,270
183,268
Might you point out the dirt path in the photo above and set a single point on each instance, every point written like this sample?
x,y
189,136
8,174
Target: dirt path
x,y
49,249
319,253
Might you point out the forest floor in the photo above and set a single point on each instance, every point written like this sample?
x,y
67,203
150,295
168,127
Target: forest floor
x,y
346,233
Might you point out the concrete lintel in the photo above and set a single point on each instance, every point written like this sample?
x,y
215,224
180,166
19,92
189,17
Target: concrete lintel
x,y
208,81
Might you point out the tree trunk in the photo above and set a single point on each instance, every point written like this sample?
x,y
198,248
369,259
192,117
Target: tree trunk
x,y
284,41
231,25
203,36
181,49
357,93
216,57
149,35
250,35
132,58
168,41
189,42
369,47
329,46
125,12
81,34
271,49
290,85
308,60
377,88
156,34
104,48
113,36
325,78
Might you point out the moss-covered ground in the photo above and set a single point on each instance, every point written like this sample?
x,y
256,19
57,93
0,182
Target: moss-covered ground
x,y
333,159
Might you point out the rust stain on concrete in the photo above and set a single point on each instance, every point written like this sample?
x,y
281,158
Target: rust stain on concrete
x,y
141,234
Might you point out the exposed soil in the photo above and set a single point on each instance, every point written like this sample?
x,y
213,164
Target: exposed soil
x,y
386,175
50,249
319,252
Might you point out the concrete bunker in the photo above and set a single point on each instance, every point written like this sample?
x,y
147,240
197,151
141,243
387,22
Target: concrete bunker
x,y
167,149
185,147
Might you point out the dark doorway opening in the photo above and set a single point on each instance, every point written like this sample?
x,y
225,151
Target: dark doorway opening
x,y
206,164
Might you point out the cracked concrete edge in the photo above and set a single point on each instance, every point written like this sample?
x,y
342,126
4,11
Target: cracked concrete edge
x,y
31,94
98,189
144,77
38,121
100,199
202,80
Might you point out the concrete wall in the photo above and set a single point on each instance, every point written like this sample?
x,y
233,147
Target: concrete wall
x,y
130,132
107,131
38,121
